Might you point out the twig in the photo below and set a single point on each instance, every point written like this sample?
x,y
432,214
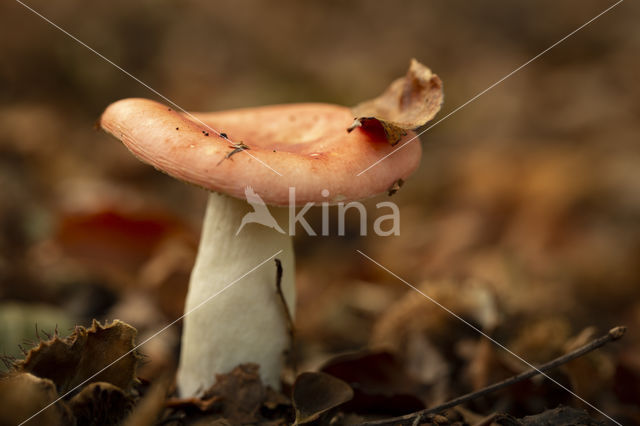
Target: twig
x,y
237,147
408,419
290,326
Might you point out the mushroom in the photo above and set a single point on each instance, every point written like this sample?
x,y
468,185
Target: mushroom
x,y
300,146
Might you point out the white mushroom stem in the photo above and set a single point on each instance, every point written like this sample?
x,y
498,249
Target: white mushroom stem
x,y
246,321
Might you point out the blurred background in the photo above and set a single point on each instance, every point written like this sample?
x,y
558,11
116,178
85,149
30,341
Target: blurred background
x,y
524,217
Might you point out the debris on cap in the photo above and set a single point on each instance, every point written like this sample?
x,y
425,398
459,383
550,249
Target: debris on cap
x,y
408,103
395,187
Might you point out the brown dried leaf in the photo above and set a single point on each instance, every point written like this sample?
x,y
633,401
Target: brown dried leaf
x,y
408,103
380,383
317,393
24,394
205,405
430,342
238,397
560,416
591,373
72,360
149,408
100,403
242,394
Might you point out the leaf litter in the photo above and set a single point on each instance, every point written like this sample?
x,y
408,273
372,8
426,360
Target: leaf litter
x,y
62,368
496,187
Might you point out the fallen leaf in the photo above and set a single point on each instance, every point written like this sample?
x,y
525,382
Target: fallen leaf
x,y
408,103
627,378
540,340
242,393
69,361
100,403
316,393
238,397
432,343
560,416
24,394
591,373
379,381
148,410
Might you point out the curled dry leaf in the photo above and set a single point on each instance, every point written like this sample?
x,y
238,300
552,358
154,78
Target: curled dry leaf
x,y
241,393
238,397
408,103
380,383
101,403
149,408
24,394
560,416
70,361
317,393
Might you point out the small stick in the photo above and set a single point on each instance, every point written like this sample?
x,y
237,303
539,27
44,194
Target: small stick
x,y
613,334
237,147
292,353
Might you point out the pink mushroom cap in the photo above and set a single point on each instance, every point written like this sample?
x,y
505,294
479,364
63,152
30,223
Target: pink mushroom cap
x,y
307,144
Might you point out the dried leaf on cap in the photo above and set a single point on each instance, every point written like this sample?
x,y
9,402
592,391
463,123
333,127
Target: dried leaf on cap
x,y
408,103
